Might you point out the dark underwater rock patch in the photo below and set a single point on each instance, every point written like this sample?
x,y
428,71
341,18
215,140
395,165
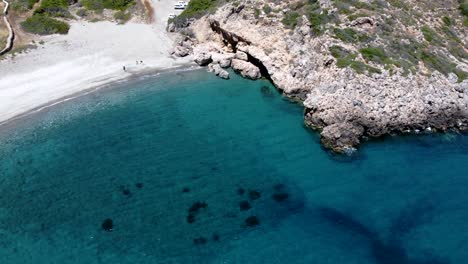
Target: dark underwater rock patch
x,y
280,197
186,190
240,191
107,225
197,206
125,191
244,205
194,210
254,195
279,187
139,185
216,237
200,241
252,221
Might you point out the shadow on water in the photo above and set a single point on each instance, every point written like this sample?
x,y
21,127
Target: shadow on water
x,y
391,251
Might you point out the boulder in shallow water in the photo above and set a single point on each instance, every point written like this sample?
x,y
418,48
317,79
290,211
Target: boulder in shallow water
x,y
246,69
220,72
341,137
202,56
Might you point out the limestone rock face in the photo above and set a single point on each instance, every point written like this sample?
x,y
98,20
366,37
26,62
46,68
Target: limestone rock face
x,y
246,69
180,51
202,55
343,104
341,137
223,59
240,55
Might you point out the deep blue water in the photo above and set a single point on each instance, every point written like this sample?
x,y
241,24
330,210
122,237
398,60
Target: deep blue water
x,y
144,153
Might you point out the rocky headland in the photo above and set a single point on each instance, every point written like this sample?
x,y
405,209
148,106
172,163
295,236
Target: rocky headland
x,y
360,68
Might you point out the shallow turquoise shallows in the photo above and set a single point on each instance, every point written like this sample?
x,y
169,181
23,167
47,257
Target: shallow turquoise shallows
x,y
188,168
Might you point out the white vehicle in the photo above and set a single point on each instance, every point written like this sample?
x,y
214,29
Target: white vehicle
x,y
179,6
171,16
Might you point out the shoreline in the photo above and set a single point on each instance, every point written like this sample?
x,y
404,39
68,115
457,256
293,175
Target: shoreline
x,y
90,56
150,73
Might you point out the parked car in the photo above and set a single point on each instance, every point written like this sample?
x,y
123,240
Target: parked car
x,y
171,16
180,5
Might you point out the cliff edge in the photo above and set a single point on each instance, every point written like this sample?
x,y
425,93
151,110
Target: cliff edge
x,y
360,68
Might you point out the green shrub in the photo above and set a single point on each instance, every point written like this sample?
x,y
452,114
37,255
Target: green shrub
x,y
197,8
122,16
57,8
428,33
374,54
108,4
290,20
463,7
23,5
256,13
345,58
266,9
82,12
350,35
447,21
44,25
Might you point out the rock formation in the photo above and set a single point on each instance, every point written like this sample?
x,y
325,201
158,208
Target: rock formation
x,y
370,96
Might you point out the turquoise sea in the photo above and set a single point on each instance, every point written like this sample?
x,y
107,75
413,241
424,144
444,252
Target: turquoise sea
x,y
188,168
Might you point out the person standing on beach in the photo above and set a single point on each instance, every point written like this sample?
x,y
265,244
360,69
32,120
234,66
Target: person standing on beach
x,y
124,68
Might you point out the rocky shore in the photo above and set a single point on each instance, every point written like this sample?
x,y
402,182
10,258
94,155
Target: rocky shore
x,y
345,105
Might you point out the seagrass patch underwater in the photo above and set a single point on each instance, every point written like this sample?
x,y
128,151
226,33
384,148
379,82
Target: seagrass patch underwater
x,y
188,168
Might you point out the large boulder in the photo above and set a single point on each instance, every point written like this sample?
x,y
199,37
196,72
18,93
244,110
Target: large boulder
x,y
202,55
246,69
223,59
240,55
180,51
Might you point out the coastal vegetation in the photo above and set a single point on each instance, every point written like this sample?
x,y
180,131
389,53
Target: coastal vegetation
x,y
99,5
393,44
198,8
44,25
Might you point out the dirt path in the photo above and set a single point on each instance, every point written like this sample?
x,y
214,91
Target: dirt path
x,y
11,33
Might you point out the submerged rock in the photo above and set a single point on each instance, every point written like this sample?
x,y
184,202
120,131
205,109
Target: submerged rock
x,y
240,191
252,221
244,205
197,206
254,195
107,225
200,241
139,185
280,197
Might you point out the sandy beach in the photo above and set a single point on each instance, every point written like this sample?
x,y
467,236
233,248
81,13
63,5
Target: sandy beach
x,y
90,55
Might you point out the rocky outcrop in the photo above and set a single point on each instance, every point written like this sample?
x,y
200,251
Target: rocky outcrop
x,y
246,69
218,70
343,104
342,137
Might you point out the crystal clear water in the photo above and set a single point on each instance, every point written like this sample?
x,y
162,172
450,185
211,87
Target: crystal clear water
x,y
194,169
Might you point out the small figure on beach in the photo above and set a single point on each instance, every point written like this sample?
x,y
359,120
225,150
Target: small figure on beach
x,y
124,69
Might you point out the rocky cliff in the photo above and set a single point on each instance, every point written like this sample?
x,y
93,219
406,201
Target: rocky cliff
x,y
360,68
